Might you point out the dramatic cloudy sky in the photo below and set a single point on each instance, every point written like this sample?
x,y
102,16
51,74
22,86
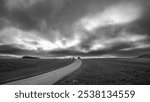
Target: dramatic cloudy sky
x,y
74,27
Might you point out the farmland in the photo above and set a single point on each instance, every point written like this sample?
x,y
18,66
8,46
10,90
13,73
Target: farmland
x,y
16,69
116,71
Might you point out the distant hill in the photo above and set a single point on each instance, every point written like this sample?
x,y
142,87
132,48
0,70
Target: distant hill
x,y
30,57
144,56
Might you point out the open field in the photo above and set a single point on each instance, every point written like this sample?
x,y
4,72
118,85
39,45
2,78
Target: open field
x,y
15,69
125,71
49,78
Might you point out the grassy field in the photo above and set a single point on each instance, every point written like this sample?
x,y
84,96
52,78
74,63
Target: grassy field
x,y
110,72
14,69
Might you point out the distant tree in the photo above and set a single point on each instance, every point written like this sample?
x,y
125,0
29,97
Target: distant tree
x,y
30,57
79,57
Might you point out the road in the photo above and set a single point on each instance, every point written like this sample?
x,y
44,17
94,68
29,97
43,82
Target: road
x,y
50,77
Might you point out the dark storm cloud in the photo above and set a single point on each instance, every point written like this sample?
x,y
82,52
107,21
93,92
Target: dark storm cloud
x,y
142,25
22,20
133,53
2,8
29,18
13,50
28,14
10,49
2,13
92,53
74,27
55,12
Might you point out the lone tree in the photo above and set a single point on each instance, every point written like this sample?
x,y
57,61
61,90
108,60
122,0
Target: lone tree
x,y
79,57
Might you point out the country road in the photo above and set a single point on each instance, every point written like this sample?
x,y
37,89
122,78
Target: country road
x,y
50,77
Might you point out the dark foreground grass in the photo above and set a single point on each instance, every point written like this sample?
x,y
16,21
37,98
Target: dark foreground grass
x,y
14,69
110,72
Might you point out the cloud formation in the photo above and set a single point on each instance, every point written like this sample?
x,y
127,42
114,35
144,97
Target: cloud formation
x,y
12,4
74,27
116,14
